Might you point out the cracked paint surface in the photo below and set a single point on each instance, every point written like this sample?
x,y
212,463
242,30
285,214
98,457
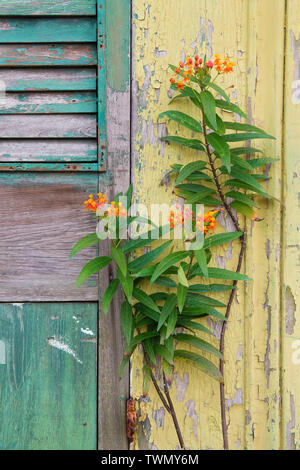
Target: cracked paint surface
x,y
263,323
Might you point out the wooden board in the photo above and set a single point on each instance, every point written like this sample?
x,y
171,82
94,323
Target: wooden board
x,y
66,150
49,79
53,55
49,167
48,390
45,30
48,7
42,217
51,126
49,103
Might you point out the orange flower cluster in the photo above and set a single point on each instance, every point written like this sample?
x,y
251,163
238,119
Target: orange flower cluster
x,y
223,66
113,209
204,223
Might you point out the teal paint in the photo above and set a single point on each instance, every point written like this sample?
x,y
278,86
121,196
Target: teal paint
x,y
48,389
101,82
48,7
118,44
32,30
45,167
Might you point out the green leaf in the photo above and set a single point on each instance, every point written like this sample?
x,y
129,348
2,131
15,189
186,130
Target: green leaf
x,y
143,260
147,311
182,278
245,150
221,147
188,169
191,143
242,208
167,310
236,183
171,323
127,284
201,259
197,343
163,352
126,360
200,362
228,106
192,325
140,338
92,267
127,321
109,294
166,263
129,196
195,300
240,162
88,240
220,126
238,126
238,137
257,162
241,175
200,312
120,259
209,106
144,298
146,239
203,288
149,350
220,238
241,198
165,281
219,90
217,273
183,119
181,296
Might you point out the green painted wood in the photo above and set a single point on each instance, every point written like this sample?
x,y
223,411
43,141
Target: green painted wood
x,y
101,82
49,79
45,167
49,103
48,7
22,55
47,150
45,30
48,391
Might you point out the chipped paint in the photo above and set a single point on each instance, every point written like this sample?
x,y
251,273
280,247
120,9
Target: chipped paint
x,y
58,344
290,310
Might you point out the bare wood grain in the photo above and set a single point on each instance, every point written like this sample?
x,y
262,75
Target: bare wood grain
x,y
47,54
50,126
47,150
44,79
42,217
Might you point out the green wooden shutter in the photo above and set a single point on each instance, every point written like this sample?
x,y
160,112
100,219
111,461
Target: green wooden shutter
x,y
52,148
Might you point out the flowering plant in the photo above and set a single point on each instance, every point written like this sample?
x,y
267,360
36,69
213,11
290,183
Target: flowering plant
x,y
165,322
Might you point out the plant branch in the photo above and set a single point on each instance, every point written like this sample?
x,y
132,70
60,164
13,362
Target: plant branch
x,y
222,343
173,413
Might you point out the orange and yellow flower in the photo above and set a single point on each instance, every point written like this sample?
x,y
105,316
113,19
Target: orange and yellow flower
x,y
112,209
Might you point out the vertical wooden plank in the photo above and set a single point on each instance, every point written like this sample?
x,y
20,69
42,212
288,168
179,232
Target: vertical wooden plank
x,y
48,390
265,59
113,392
291,186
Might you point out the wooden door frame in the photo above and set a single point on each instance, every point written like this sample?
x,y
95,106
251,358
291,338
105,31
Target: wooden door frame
x,y
114,48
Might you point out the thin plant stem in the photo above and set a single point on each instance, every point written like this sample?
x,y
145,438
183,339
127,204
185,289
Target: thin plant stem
x,y
173,413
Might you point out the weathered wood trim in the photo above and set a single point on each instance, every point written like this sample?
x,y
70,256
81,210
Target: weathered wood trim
x,y
112,391
48,7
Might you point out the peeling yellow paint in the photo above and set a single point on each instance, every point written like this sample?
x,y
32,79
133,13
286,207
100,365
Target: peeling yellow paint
x,y
261,382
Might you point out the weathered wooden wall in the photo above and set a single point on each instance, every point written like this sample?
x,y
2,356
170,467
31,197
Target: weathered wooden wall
x,y
262,340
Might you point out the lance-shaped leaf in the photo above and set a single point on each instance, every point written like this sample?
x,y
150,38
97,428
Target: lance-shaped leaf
x,y
195,300
183,119
126,360
236,160
230,107
241,197
148,312
127,284
191,143
120,259
217,273
91,268
192,325
181,296
127,321
202,261
146,239
245,150
150,350
88,240
200,312
241,175
219,90
171,323
239,137
143,260
142,337
220,238
167,309
145,299
221,147
163,352
188,169
257,162
167,262
236,183
200,362
203,288
109,294
197,343
238,126
242,208
182,277
209,106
